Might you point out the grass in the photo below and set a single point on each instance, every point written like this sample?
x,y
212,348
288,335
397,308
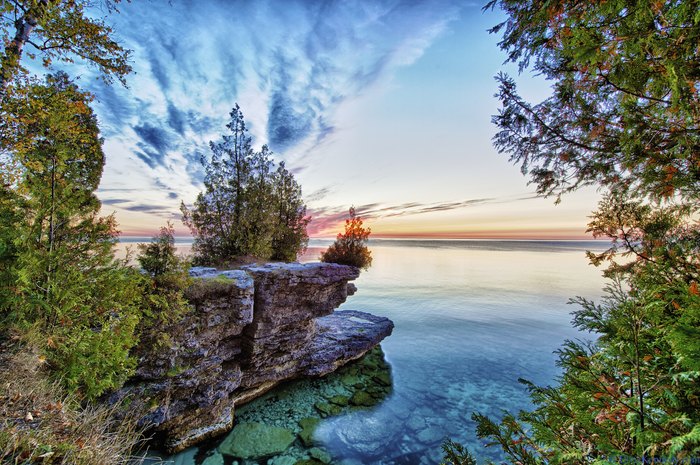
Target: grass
x,y
40,424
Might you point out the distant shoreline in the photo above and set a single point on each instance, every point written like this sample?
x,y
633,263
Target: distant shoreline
x,y
189,239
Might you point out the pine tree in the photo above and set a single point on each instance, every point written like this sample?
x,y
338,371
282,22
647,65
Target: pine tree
x,y
248,209
290,219
624,114
65,281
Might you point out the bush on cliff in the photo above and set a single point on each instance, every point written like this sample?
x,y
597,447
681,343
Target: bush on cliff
x,y
163,294
350,247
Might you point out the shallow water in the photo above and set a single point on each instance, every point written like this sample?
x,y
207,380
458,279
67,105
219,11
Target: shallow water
x,y
471,318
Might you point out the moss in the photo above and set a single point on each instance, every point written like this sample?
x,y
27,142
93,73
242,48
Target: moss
x,y
341,401
202,290
176,370
309,462
362,398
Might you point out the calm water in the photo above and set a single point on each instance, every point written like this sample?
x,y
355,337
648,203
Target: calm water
x,y
471,318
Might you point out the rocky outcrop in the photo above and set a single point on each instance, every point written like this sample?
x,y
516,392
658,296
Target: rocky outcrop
x,y
246,331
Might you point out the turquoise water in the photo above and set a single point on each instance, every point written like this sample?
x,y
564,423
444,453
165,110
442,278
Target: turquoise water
x,y
471,318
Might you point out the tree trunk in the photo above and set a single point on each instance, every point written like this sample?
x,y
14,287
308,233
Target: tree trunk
x,y
24,25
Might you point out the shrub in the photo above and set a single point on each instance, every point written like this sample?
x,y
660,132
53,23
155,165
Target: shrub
x,y
350,248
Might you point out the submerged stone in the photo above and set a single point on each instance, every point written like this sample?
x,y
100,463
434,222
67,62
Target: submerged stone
x,y
327,409
362,398
320,454
383,378
216,459
308,426
341,401
186,458
309,462
282,460
256,440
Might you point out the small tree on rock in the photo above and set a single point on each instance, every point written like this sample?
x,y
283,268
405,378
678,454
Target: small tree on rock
x,y
350,248
250,207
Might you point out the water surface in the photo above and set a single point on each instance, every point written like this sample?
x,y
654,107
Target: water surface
x,y
471,318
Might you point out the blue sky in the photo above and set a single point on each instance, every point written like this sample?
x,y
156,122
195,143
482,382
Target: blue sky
x,y
384,105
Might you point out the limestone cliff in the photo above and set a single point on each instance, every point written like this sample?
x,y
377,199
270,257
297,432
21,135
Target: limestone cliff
x,y
247,330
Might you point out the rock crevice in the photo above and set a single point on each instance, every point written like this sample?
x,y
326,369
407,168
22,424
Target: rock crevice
x,y
246,331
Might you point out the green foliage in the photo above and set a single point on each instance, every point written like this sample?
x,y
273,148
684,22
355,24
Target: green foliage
x,y
350,247
58,31
625,104
456,454
59,272
248,208
624,114
158,257
289,236
163,295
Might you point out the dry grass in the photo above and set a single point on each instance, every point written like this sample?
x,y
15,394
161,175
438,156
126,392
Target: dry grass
x,y
40,424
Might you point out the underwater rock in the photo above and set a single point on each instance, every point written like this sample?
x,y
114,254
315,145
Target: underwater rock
x,y
282,460
362,398
215,459
366,434
308,426
187,458
256,440
320,454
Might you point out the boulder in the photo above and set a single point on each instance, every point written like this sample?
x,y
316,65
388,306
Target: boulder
x,y
256,440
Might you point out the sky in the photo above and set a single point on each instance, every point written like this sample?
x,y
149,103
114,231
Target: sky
x,y
382,104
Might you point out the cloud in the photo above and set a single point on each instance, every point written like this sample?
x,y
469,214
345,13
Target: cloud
x,y
177,119
329,220
289,63
114,201
153,136
318,194
147,208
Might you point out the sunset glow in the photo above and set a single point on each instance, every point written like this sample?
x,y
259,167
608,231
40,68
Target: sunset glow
x,y
379,106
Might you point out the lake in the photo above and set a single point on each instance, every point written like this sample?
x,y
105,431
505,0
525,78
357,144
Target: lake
x,y
472,317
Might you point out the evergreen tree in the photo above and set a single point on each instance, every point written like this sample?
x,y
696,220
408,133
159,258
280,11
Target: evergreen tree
x,y
290,220
350,247
63,279
624,114
248,208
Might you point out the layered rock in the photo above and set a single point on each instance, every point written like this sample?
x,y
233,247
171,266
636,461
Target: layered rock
x,y
246,331
288,299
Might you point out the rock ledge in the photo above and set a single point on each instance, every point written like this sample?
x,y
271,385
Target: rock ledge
x,y
247,330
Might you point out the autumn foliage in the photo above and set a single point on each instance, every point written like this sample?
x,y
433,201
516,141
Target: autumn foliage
x,y
350,247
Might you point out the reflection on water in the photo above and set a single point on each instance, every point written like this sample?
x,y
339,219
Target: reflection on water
x,y
471,318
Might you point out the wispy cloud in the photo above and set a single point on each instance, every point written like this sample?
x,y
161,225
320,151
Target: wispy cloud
x,y
289,63
329,220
